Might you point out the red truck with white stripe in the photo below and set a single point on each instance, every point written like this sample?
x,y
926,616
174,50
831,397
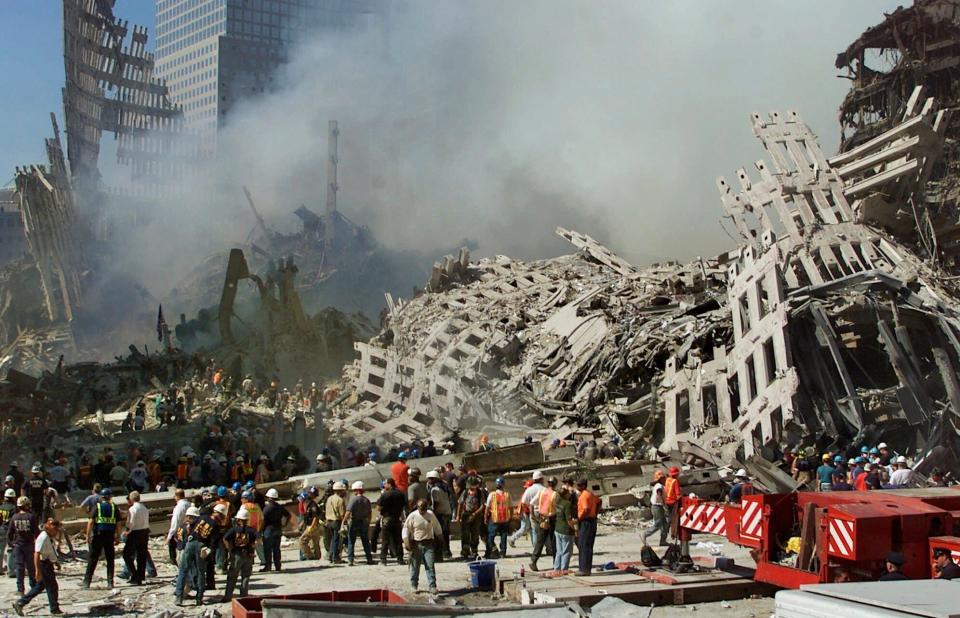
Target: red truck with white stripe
x,y
847,532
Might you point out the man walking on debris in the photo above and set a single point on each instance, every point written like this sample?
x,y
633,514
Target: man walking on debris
x,y
204,535
391,504
440,505
565,529
357,522
102,538
588,507
137,536
657,510
419,531
21,536
671,498
176,519
275,518
46,564
240,541
498,513
7,509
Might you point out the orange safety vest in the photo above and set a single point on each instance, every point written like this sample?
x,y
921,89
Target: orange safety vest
x,y
255,517
587,505
671,490
182,471
546,502
500,507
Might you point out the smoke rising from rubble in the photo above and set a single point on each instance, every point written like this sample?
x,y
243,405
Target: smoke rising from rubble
x,y
499,121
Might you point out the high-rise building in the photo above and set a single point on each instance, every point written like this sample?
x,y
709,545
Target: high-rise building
x,y
214,53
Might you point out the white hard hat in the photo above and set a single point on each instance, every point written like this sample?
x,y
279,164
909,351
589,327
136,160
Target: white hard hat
x,y
273,493
537,475
193,512
35,470
357,485
9,493
242,513
741,473
882,445
901,459
433,474
220,508
338,486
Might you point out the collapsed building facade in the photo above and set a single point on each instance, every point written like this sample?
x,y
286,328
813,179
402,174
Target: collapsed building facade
x,y
818,329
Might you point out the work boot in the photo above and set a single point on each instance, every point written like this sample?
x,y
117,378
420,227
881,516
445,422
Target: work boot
x,y
178,601
264,569
350,563
18,609
512,542
85,585
533,566
433,590
383,563
56,612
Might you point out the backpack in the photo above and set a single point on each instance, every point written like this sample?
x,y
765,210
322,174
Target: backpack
x,y
649,558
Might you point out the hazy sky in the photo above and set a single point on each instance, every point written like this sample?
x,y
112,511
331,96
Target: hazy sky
x,y
500,120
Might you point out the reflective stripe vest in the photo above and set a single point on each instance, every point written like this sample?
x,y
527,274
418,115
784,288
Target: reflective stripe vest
x,y
671,490
106,520
255,515
546,504
500,507
182,471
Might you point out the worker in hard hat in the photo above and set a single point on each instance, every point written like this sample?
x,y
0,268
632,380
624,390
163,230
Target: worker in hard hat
x,y
22,535
439,501
825,473
240,542
275,518
671,499
357,522
419,531
741,486
902,476
311,526
497,514
7,509
46,563
103,535
334,514
657,509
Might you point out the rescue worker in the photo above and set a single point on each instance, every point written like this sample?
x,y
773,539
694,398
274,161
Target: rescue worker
x,y
671,499
357,522
741,487
416,490
588,507
254,519
311,535
657,510
239,541
275,518
565,528
135,548
334,515
528,501
497,514
204,534
886,455
17,475
183,531
7,509
903,475
894,568
544,517
419,531
612,449
400,472
46,564
21,538
943,564
470,515
391,504
103,535
35,488
439,501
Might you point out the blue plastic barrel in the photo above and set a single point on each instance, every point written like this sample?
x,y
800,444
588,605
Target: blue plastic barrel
x,y
482,574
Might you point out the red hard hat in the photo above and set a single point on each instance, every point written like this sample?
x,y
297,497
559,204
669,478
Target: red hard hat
x,y
674,471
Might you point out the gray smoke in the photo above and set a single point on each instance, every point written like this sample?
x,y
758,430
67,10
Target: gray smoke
x,y
500,120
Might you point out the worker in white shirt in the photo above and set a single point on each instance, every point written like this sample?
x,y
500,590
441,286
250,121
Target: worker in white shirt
x,y
419,531
179,512
137,533
528,505
46,563
902,476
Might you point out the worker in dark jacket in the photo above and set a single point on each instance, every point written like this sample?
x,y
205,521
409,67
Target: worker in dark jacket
x,y
944,565
21,537
894,566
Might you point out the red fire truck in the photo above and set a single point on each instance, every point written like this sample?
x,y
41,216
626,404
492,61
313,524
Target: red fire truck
x,y
841,532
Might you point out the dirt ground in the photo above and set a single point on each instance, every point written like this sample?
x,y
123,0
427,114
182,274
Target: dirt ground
x,y
615,543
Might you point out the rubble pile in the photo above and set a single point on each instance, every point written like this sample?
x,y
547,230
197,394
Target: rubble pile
x,y
818,329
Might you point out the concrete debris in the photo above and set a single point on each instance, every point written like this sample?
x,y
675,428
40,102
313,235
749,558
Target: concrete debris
x,y
818,328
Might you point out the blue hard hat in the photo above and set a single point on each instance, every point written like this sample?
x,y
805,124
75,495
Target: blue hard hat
x,y
221,491
302,495
864,450
371,455
237,486
500,480
615,439
344,481
249,484
247,495
874,451
402,455
860,459
106,491
415,453
838,458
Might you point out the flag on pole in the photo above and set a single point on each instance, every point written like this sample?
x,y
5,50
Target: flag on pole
x,y
161,324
